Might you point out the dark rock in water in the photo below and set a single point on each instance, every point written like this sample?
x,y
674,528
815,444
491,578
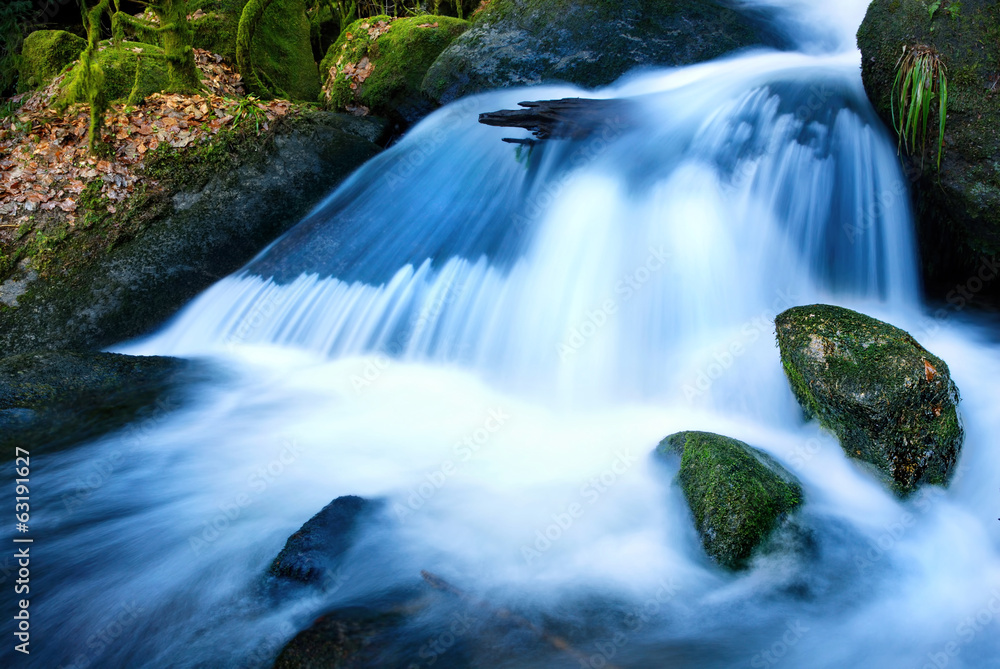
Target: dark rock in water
x,y
958,206
204,231
589,42
352,638
54,399
572,118
738,494
311,553
891,402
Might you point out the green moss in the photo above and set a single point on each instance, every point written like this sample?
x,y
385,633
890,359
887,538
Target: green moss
x,y
891,402
132,66
45,53
280,51
737,494
401,57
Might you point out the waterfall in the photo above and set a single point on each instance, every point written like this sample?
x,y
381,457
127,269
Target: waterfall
x,y
592,269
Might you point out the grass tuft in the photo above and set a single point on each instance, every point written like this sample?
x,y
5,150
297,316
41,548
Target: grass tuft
x,y
920,79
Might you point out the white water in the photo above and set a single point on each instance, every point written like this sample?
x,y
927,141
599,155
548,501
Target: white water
x,y
452,280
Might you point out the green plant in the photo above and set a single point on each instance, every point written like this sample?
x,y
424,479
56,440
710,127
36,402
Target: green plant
x,y
920,79
954,9
248,112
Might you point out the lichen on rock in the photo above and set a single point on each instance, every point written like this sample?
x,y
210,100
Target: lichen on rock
x,y
891,402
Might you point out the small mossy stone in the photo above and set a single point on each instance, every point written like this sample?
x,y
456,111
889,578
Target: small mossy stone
x,y
400,57
737,494
892,403
45,53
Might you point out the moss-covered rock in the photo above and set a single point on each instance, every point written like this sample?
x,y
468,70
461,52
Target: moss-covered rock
x,y
132,71
958,206
282,50
891,402
54,399
380,63
44,54
737,493
586,42
202,214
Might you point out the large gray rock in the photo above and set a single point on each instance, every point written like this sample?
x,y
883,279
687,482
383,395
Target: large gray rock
x,y
588,42
890,401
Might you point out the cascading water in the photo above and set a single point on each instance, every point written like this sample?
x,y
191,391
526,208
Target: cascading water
x,y
485,335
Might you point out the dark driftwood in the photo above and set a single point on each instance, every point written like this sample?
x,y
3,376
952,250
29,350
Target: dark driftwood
x,y
571,118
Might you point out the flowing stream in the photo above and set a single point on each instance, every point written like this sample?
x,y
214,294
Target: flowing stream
x,y
487,335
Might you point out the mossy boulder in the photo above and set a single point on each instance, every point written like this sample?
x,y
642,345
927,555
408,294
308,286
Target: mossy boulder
x,y
132,71
204,213
889,400
380,63
958,206
310,555
590,43
57,398
282,50
738,494
44,54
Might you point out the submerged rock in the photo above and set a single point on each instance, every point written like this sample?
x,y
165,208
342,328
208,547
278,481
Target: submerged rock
x,y
738,494
55,399
378,64
891,402
958,206
350,638
310,555
589,43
